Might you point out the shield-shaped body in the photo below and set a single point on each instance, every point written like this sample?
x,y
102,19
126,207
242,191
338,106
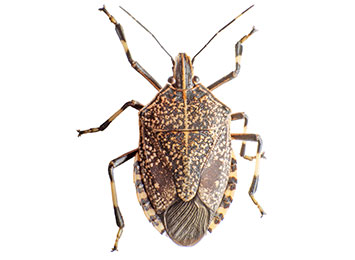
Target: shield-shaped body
x,y
183,161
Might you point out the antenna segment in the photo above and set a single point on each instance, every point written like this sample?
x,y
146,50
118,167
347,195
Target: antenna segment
x,y
219,32
149,33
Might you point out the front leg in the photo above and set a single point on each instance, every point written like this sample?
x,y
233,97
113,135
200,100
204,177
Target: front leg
x,y
102,127
134,64
238,56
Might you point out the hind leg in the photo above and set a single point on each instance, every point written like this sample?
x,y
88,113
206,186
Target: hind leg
x,y
227,197
113,164
257,157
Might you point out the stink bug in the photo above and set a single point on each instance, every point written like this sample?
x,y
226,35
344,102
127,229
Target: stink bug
x,y
185,169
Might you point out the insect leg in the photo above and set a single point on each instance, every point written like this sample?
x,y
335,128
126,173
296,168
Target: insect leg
x,y
254,184
113,164
238,116
103,126
135,65
238,56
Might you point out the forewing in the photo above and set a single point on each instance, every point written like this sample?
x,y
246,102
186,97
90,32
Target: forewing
x,y
214,175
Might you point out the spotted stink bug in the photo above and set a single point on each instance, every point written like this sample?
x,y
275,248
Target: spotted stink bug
x,y
185,169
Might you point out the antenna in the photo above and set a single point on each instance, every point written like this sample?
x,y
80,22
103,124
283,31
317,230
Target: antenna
x,y
192,61
149,33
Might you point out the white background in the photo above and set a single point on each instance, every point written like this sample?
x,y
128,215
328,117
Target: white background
x,y
63,68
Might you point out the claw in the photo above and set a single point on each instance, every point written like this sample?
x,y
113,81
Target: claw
x,y
79,132
263,155
119,233
103,8
112,19
262,214
254,30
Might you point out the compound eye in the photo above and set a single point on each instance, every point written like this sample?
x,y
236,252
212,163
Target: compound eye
x,y
195,80
171,80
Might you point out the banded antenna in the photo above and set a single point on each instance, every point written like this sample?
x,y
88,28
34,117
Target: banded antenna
x,y
149,33
192,61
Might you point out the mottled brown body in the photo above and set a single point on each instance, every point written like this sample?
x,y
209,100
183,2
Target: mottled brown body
x,y
185,150
185,171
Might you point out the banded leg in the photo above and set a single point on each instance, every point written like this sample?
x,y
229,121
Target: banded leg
x,y
238,56
238,116
119,219
134,64
254,184
103,126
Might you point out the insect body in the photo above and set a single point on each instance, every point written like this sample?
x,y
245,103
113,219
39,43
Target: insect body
x,y
185,169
